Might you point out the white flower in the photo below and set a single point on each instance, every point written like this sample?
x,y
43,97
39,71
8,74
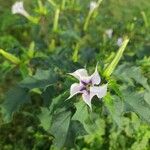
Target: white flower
x,y
18,8
119,41
88,86
109,33
93,5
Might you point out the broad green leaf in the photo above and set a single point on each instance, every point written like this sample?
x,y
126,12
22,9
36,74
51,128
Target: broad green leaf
x,y
115,107
41,79
147,97
60,102
89,119
116,88
45,118
76,129
48,94
128,73
135,102
81,113
14,98
60,118
60,126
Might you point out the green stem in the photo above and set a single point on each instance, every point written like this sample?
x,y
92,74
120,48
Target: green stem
x,y
42,9
52,3
32,19
75,54
87,20
63,4
145,19
56,19
99,2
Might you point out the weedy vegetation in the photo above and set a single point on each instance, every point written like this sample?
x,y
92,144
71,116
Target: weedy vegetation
x,y
42,42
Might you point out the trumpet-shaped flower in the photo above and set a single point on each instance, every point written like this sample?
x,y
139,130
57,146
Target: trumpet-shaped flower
x,y
88,86
93,5
18,8
109,33
119,41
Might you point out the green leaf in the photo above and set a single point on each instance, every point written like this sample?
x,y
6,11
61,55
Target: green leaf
x,y
89,119
14,98
135,102
45,118
82,114
147,97
60,127
129,73
48,94
115,87
115,107
41,79
59,102
76,129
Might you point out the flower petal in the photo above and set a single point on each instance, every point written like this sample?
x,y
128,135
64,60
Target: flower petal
x,y
119,41
109,33
93,5
87,99
85,80
100,91
75,89
18,8
95,77
79,73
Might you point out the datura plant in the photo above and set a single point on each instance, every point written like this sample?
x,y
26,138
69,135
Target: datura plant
x,y
45,61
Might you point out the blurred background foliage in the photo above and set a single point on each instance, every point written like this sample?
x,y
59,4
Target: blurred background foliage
x,y
47,56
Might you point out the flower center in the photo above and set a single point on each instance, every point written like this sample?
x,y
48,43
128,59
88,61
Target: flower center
x,y
86,86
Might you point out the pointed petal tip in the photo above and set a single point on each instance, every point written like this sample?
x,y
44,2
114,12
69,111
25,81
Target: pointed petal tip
x,y
74,89
99,91
103,90
87,99
79,73
95,77
68,98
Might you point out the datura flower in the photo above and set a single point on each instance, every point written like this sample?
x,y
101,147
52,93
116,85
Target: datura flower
x,y
18,8
119,41
109,33
88,86
93,5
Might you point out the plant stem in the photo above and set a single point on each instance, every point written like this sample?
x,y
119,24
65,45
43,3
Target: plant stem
x,y
87,20
91,11
145,19
52,3
63,4
56,19
75,54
